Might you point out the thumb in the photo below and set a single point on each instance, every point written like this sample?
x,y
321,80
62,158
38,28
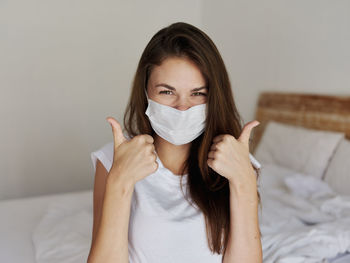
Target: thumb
x,y
244,137
117,131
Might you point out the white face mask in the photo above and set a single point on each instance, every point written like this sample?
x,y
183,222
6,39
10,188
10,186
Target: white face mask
x,y
176,126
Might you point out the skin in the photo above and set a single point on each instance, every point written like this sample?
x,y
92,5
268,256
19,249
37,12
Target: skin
x,y
135,159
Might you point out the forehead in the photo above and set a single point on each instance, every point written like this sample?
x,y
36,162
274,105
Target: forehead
x,y
177,72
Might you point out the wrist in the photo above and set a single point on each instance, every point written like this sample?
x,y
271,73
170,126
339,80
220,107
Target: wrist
x,y
244,191
117,181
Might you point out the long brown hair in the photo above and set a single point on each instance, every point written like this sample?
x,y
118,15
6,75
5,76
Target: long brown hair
x,y
207,189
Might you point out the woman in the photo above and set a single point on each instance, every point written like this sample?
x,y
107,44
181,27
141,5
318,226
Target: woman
x,y
186,133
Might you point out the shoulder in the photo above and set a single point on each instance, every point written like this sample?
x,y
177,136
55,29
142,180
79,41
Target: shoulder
x,y
104,154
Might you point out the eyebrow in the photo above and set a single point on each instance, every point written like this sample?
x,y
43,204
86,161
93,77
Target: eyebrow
x,y
172,88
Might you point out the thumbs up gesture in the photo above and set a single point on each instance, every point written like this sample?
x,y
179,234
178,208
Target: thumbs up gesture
x,y
133,159
229,157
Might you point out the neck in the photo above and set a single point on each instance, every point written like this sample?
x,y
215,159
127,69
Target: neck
x,y
172,156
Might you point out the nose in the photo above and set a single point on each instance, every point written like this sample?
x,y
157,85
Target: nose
x,y
182,104
183,108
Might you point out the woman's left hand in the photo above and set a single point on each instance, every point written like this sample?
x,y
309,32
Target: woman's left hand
x,y
229,157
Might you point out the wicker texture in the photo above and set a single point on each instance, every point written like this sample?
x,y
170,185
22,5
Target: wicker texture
x,y
313,111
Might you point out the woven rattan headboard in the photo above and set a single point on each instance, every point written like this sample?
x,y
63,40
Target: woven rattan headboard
x,y
314,111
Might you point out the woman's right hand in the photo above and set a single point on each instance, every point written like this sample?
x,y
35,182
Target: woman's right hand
x,y
134,159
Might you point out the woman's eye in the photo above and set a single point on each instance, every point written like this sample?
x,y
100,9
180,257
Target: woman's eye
x,y
200,93
165,91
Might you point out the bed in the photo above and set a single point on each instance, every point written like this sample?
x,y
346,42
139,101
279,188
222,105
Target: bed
x,y
21,217
303,145
57,228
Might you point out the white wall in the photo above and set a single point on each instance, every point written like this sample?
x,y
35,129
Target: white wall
x,y
281,45
65,66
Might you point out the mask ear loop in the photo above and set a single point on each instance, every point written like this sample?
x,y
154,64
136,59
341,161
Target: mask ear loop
x,y
154,151
146,94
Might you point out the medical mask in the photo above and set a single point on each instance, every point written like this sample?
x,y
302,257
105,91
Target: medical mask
x,y
176,126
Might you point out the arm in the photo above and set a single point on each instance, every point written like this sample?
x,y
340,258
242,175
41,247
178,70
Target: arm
x,y
110,238
133,160
244,243
98,196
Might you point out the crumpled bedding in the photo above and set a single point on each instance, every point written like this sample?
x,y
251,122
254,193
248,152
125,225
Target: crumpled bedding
x,y
302,220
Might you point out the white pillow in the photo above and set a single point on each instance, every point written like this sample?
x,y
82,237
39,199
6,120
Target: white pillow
x,y
303,150
338,172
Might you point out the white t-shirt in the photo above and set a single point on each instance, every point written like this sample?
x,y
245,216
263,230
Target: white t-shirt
x,y
163,226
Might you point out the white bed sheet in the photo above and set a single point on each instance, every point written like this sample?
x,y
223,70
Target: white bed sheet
x,y
341,258
302,219
20,216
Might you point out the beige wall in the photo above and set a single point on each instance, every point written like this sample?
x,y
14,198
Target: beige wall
x,y
65,66
281,45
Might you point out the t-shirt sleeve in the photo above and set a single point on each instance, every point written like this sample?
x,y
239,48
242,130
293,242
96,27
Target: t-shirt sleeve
x,y
105,155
